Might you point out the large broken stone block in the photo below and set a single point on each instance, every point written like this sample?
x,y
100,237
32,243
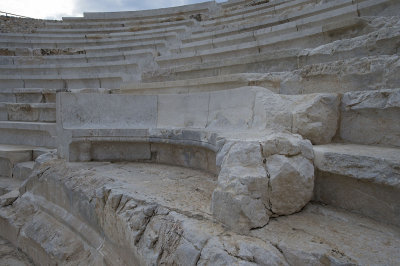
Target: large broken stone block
x,y
262,179
315,117
240,198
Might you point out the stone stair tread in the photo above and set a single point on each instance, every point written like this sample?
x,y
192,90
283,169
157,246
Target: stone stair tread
x,y
372,163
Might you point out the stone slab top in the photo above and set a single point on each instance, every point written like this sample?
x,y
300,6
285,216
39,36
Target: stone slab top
x,y
367,163
174,187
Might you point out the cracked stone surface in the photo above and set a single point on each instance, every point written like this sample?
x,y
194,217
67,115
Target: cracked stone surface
x,y
102,214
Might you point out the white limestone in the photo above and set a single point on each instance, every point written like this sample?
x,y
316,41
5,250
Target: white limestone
x,y
198,135
362,111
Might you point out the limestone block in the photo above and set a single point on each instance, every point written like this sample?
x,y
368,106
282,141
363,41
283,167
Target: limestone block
x,y
371,117
361,178
242,190
188,110
315,117
262,179
373,164
107,110
291,183
290,170
231,109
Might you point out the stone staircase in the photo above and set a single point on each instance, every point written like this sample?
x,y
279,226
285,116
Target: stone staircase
x,y
277,102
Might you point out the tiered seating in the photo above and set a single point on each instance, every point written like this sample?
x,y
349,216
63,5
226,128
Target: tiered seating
x,y
224,88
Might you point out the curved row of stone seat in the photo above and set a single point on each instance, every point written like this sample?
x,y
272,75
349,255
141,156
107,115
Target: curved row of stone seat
x,y
283,60
265,29
249,14
263,40
196,123
105,80
171,126
132,26
371,73
69,57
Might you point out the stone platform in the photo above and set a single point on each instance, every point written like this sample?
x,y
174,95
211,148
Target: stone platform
x,y
117,213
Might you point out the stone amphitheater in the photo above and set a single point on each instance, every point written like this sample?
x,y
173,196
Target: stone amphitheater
x,y
261,132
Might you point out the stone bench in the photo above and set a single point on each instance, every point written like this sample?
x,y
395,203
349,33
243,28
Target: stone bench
x,y
347,19
201,130
138,56
362,8
363,179
213,83
250,14
307,38
154,13
284,60
40,134
84,45
141,25
105,80
97,68
91,40
362,174
67,36
232,9
112,30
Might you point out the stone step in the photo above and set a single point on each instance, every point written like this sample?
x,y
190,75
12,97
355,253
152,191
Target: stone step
x,y
213,83
371,117
32,112
287,7
305,62
96,68
77,81
295,10
115,30
338,19
86,40
141,25
72,36
307,38
22,95
360,178
243,7
38,134
131,56
82,46
88,53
